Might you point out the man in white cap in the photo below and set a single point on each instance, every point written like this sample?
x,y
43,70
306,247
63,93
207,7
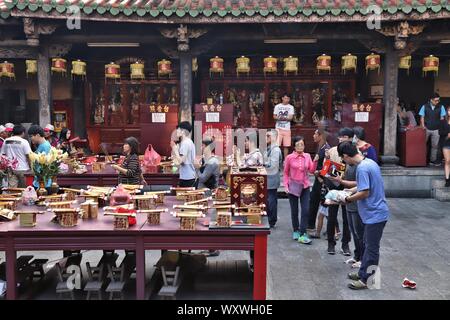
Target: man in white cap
x,y
3,135
9,129
50,136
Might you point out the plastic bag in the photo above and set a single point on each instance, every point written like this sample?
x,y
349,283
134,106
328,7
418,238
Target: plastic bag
x,y
29,196
120,196
151,160
63,168
131,218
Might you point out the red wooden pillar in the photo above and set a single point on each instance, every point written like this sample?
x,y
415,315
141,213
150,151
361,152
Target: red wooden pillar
x,y
260,267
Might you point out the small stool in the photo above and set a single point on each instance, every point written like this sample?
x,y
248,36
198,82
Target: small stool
x,y
171,285
37,268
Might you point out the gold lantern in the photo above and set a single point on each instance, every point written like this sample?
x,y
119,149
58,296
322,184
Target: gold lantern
x,y
348,62
242,65
164,67
137,71
290,65
323,63
270,65
7,70
31,67
405,63
194,65
373,62
430,63
59,65
215,66
112,71
79,69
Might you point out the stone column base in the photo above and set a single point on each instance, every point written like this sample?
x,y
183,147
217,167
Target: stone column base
x,y
389,160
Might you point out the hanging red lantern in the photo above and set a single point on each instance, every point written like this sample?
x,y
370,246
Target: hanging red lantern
x,y
7,70
373,62
323,63
430,63
216,65
164,67
59,65
112,71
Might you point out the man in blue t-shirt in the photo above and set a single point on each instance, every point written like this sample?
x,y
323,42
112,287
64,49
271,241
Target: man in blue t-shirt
x,y
372,207
431,114
42,146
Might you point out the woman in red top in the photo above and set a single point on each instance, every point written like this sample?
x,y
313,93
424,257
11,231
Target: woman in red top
x,y
296,182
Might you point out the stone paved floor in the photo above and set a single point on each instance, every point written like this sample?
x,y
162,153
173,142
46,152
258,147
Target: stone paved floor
x,y
415,245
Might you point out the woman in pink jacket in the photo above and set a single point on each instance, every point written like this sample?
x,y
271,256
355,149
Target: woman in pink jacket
x,y
296,182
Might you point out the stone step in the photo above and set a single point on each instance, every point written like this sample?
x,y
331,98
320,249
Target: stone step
x,y
442,194
437,183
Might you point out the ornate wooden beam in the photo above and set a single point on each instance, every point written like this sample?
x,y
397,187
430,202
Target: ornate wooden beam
x,y
18,53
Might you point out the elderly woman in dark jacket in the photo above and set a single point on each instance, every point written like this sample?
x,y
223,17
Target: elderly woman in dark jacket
x,y
130,170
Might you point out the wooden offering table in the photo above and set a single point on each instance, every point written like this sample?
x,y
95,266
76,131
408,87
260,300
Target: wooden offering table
x,y
99,234
109,177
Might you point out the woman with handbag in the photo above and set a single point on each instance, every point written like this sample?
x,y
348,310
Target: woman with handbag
x,y
296,182
130,170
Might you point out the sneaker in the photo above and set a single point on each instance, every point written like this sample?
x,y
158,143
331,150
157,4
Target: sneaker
x,y
350,261
295,235
331,249
357,264
357,285
434,164
346,250
304,239
314,236
353,276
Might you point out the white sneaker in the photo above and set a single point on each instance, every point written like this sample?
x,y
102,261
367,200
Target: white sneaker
x,y
356,265
350,261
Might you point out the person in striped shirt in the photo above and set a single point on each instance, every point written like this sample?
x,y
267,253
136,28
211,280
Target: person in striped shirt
x,y
130,170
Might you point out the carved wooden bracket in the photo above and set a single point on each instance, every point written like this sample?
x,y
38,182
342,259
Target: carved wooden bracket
x,y
401,32
32,30
183,34
59,50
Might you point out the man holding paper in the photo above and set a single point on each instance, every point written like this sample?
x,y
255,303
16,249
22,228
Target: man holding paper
x,y
372,207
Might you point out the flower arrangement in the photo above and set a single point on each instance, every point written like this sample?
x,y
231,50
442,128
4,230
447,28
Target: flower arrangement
x,y
46,166
6,165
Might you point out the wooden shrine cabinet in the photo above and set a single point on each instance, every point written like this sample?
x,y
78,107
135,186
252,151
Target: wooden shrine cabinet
x,y
158,123
368,116
216,119
314,97
114,108
248,186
